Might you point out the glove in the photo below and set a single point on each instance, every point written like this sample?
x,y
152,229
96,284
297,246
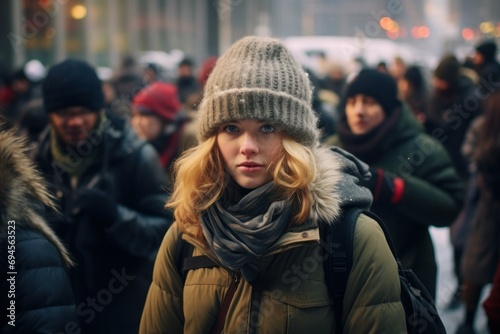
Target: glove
x,y
385,187
100,203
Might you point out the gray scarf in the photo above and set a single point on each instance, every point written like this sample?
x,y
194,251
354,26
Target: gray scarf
x,y
243,232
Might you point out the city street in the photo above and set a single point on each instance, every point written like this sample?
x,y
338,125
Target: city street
x,y
447,282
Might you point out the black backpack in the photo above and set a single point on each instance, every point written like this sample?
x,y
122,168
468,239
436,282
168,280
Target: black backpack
x,y
421,314
420,311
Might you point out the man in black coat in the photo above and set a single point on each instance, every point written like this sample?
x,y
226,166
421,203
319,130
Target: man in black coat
x,y
109,186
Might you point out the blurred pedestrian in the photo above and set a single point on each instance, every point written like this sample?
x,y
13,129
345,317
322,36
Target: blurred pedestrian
x,y
37,296
158,118
251,197
448,118
127,81
186,81
412,90
151,74
33,121
487,66
108,185
449,115
397,68
335,81
413,182
481,254
23,88
322,107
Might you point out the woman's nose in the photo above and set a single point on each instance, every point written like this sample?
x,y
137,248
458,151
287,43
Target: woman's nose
x,y
249,145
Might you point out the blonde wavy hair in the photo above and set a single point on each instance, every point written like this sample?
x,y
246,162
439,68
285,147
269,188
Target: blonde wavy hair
x,y
200,180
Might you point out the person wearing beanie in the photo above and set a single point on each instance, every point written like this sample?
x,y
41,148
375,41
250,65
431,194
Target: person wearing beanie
x,y
251,197
158,118
413,182
487,66
108,185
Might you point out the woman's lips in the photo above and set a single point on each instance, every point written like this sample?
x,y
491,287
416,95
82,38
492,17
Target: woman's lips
x,y
250,167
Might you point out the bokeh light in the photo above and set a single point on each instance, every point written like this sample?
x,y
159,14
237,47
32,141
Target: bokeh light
x,y
78,12
467,34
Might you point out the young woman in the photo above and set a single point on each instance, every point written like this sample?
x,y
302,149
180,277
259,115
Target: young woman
x,y
252,196
158,118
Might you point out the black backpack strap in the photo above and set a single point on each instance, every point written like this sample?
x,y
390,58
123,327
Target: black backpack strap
x,y
338,264
386,232
196,262
186,261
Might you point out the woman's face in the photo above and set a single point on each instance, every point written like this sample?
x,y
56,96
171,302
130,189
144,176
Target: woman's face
x,y
148,127
363,114
249,148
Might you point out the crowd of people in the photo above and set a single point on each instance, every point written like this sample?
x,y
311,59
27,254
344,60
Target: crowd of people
x,y
105,180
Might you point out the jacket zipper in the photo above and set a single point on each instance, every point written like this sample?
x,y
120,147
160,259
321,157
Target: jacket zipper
x,y
221,317
236,278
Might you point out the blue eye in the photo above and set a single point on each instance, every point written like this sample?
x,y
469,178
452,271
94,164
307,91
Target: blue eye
x,y
231,128
267,128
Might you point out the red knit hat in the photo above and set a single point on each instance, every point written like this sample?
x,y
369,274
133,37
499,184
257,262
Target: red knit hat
x,y
160,99
206,68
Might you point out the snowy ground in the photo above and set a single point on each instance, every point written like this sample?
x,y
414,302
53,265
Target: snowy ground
x,y
447,285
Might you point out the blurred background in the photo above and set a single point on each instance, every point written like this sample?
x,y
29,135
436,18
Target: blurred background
x,y
104,31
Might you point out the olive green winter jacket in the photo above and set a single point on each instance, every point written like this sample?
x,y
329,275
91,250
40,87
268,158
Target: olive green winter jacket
x,y
290,294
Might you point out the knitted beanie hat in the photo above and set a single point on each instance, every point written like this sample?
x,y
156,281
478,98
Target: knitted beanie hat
x,y
448,69
159,99
380,86
415,77
72,83
488,49
258,78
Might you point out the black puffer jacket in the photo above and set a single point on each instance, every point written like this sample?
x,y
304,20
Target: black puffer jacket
x,y
114,263
35,285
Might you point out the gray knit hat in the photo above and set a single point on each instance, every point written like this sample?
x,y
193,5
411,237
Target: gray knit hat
x,y
258,78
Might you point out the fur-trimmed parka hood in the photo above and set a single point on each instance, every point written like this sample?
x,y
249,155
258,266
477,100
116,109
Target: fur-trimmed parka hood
x,y
336,185
23,190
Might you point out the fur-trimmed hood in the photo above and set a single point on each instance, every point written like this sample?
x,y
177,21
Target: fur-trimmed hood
x,y
22,189
336,185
